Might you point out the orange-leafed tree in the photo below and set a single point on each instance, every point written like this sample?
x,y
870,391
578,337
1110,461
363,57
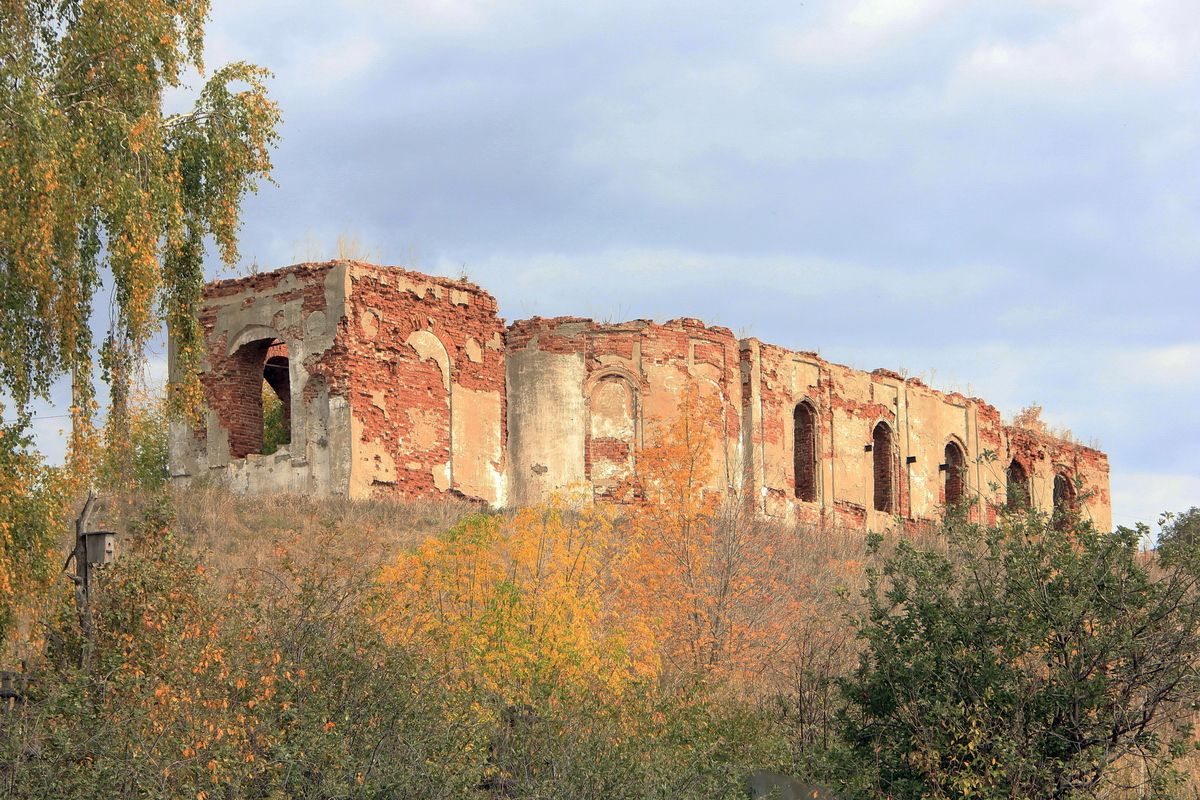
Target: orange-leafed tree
x,y
709,582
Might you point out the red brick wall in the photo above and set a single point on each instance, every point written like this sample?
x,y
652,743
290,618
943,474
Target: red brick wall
x,y
953,475
883,460
804,447
233,382
396,395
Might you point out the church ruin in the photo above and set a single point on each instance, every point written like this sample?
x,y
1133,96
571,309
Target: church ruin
x,y
408,385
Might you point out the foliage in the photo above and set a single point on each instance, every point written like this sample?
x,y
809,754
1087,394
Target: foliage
x,y
33,501
281,688
294,683
1025,662
275,424
707,580
523,614
652,743
513,607
134,456
96,180
1180,537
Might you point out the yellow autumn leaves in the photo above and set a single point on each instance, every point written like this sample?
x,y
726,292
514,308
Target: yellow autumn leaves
x,y
575,595
510,604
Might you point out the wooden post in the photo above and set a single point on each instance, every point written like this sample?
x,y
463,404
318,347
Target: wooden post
x,y
83,577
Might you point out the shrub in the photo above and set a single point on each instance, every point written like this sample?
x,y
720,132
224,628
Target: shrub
x,y
1026,662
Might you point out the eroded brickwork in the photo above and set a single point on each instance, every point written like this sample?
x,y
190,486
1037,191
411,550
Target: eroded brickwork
x,y
410,385
582,395
428,395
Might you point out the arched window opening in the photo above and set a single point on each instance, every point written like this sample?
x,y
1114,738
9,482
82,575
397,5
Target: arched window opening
x,y
1064,500
256,405
884,468
956,474
1018,485
277,399
804,452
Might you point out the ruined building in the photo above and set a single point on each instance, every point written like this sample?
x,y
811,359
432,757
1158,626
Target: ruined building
x,y
401,384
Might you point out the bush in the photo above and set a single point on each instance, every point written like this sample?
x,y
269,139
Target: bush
x,y
295,681
281,688
1026,662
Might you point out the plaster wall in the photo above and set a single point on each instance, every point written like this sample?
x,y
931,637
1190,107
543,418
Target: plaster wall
x,y
583,397
850,403
410,385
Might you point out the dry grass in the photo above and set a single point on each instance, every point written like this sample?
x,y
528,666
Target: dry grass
x,y
233,533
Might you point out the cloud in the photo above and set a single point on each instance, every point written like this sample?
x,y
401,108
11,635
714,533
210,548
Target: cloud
x,y
998,190
1143,496
1098,46
855,32
562,281
339,63
1174,367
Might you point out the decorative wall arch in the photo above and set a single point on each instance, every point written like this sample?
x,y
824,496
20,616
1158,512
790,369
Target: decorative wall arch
x,y
430,348
636,382
724,459
612,428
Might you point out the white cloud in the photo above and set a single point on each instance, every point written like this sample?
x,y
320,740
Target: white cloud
x,y
1099,45
1171,367
342,62
1143,496
860,31
803,277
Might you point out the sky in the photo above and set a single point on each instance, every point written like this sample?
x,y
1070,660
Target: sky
x,y
1002,198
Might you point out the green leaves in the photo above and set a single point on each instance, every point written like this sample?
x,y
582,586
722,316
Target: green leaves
x,y
1023,662
95,181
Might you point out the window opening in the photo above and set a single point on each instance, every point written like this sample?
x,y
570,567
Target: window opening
x,y
804,452
1018,485
884,468
956,473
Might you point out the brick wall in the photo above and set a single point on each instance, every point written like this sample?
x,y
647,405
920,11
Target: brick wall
x,y
409,336
421,364
232,382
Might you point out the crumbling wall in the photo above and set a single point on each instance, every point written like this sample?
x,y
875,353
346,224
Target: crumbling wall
x,y
291,314
427,396
409,385
849,407
1044,456
583,397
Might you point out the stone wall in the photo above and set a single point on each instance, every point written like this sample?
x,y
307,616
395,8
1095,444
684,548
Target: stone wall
x,y
409,385
291,317
925,426
582,394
